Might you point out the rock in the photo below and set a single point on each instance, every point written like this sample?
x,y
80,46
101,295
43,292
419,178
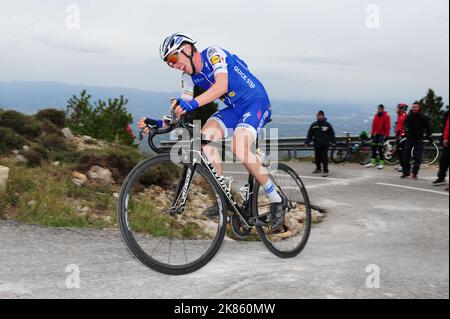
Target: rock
x,y
100,175
78,178
15,152
26,148
21,159
116,195
32,203
56,163
4,172
88,140
77,182
83,209
67,133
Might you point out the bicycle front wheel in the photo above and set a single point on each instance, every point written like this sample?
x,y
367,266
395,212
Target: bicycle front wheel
x,y
364,154
289,240
171,243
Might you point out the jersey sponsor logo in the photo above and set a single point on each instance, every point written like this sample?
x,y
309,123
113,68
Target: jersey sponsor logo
x,y
245,77
215,59
211,52
246,116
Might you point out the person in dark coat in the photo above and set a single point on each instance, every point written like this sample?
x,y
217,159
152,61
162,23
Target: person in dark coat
x,y
416,125
322,133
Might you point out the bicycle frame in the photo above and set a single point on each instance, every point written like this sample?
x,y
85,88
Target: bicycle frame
x,y
185,181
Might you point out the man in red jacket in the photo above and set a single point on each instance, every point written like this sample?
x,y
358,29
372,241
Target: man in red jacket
x,y
400,131
381,128
443,165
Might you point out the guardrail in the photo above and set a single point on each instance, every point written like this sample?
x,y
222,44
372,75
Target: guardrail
x,y
291,145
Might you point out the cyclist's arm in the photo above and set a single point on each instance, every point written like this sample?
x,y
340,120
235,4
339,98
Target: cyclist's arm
x,y
217,58
218,89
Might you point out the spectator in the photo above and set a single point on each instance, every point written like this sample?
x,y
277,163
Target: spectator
x,y
323,134
400,132
416,125
443,165
381,128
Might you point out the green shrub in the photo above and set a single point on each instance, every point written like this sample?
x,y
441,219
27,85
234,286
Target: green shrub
x,y
36,156
10,140
53,142
57,117
22,124
50,128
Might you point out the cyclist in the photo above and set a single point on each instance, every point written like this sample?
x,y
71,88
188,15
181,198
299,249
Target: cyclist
x,y
381,127
400,131
224,75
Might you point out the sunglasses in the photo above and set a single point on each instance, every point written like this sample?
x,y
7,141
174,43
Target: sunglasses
x,y
173,57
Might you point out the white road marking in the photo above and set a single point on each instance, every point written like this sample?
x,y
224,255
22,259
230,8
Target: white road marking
x,y
414,188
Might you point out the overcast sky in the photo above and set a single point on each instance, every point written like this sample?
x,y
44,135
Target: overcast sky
x,y
305,50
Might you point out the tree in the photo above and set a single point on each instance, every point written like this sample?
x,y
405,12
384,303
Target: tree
x,y
107,120
433,106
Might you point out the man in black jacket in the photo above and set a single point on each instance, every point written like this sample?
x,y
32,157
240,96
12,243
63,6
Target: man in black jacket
x,y
416,125
323,134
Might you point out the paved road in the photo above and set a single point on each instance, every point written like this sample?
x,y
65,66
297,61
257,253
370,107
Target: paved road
x,y
374,218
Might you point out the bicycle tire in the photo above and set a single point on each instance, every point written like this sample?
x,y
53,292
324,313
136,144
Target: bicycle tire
x,y
339,153
307,221
363,155
430,156
130,241
391,152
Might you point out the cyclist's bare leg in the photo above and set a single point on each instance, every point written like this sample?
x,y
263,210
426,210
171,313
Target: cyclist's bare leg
x,y
241,148
213,131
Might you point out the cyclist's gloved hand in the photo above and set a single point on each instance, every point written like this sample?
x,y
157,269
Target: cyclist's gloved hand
x,y
188,106
153,124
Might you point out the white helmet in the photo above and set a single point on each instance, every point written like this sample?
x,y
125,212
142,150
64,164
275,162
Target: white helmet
x,y
173,42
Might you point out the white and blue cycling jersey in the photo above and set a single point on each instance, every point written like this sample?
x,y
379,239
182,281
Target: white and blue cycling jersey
x,y
247,100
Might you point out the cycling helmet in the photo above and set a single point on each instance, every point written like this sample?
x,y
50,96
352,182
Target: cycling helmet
x,y
173,42
403,106
364,135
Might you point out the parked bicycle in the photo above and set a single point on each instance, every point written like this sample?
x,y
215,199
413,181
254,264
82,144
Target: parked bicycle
x,y
430,154
360,151
161,203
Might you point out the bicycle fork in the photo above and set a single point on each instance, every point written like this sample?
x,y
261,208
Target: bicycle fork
x,y
182,191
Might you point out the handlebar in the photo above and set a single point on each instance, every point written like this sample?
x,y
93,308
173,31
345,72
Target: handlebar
x,y
173,124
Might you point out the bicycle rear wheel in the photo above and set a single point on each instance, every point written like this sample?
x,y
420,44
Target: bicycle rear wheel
x,y
291,238
364,154
177,244
339,153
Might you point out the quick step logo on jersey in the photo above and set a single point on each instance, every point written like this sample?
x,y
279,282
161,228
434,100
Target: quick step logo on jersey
x,y
244,77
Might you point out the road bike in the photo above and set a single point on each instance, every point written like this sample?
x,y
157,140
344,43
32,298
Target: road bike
x,y
430,153
360,151
161,203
